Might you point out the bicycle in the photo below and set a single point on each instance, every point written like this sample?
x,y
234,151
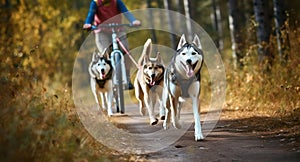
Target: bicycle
x,y
118,63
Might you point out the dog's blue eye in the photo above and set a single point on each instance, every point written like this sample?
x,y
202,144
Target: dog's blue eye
x,y
99,64
194,53
183,53
150,68
155,68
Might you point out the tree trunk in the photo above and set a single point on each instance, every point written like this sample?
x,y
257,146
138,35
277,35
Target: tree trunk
x,y
154,38
217,24
179,8
162,21
280,18
188,19
235,26
248,13
262,17
170,23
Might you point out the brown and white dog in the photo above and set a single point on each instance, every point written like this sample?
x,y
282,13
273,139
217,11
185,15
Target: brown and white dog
x,y
182,80
148,83
101,72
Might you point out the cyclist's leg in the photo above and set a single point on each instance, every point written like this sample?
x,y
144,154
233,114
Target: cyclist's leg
x,y
103,41
123,39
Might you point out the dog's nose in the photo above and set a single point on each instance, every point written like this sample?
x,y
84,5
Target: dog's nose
x,y
189,61
153,75
102,71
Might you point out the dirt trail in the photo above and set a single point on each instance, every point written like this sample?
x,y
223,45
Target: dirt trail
x,y
224,143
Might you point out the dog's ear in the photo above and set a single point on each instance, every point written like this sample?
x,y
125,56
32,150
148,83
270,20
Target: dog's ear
x,y
148,47
182,41
146,52
96,55
106,55
197,42
158,57
146,59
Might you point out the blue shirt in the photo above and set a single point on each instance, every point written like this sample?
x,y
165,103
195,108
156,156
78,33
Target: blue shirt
x,y
121,6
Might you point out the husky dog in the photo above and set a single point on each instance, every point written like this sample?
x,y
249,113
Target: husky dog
x,y
182,80
101,72
148,83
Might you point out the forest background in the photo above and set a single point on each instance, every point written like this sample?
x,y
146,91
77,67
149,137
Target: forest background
x,y
40,40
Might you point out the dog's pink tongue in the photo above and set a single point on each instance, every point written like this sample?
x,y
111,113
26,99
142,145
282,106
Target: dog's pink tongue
x,y
190,71
152,82
103,76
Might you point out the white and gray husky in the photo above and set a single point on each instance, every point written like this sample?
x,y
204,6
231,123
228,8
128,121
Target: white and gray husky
x,y
148,83
182,80
101,72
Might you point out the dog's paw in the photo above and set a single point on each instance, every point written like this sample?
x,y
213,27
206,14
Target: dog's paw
x,y
176,124
109,112
153,121
142,111
166,125
199,137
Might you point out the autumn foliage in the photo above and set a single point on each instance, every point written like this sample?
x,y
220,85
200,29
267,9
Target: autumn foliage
x,y
39,40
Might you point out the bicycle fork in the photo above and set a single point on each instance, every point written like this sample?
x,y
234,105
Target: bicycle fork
x,y
119,78
118,58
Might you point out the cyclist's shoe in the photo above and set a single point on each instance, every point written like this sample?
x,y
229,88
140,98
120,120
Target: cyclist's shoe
x,y
129,86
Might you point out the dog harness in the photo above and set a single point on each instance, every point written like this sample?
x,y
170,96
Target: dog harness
x,y
101,82
184,84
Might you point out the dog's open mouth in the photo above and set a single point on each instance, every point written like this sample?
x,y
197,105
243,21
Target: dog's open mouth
x,y
103,75
189,68
152,80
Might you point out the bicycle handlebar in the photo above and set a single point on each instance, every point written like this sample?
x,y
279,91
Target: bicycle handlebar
x,y
111,25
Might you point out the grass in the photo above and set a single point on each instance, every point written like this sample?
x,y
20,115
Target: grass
x,y
267,102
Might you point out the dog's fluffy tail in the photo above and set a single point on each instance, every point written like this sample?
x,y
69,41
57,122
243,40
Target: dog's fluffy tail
x,y
146,51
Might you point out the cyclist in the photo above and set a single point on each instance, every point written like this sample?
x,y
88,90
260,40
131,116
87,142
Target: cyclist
x,y
109,11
